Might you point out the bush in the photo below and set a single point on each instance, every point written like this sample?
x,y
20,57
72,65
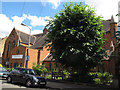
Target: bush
x,y
8,69
40,69
66,73
102,78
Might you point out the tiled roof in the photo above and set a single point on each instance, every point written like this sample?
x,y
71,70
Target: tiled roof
x,y
37,40
40,42
106,25
38,35
24,38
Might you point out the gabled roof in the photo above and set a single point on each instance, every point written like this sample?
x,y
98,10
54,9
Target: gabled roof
x,y
24,38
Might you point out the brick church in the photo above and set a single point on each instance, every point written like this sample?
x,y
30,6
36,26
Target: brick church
x,y
16,46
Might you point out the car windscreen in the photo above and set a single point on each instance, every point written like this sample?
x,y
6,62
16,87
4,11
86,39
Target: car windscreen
x,y
3,69
30,71
16,69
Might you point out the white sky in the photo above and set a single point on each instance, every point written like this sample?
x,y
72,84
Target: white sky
x,y
105,8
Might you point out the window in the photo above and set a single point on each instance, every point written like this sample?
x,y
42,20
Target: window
x,y
8,48
12,36
21,65
50,65
22,70
13,44
17,51
30,71
2,69
11,65
16,70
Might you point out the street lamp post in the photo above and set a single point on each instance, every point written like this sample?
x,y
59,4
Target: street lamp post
x,y
27,57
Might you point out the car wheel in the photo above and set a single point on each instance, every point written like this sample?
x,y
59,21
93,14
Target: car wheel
x,y
28,83
9,79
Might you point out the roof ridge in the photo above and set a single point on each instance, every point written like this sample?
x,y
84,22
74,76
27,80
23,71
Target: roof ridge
x,y
24,32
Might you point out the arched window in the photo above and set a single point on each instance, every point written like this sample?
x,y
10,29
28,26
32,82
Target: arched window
x,y
8,48
13,43
12,36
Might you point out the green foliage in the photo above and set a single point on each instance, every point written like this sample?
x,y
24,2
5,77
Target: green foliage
x,y
77,38
8,69
102,78
40,69
66,72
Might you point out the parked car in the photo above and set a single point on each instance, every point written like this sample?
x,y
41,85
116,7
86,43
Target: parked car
x,y
26,76
3,72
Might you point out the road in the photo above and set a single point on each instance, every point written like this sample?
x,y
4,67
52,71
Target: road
x,y
50,86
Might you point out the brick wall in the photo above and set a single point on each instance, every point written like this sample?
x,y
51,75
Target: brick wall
x,y
110,64
43,53
20,50
33,54
9,46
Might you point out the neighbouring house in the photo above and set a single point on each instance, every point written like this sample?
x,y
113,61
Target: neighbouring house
x,y
109,63
2,43
16,47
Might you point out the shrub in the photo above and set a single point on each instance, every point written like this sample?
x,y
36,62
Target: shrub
x,y
8,69
40,69
102,78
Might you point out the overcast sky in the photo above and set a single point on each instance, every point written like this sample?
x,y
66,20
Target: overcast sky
x,y
35,12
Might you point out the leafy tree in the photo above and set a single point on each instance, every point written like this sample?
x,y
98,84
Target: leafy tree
x,y
76,35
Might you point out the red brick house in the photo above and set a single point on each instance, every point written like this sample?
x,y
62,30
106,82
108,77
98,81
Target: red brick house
x,y
109,64
16,46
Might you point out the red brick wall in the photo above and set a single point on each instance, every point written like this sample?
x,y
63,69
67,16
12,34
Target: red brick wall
x,y
33,53
43,53
33,57
108,40
109,65
9,40
47,64
23,51
14,51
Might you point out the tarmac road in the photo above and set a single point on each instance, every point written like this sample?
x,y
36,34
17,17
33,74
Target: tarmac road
x,y
51,85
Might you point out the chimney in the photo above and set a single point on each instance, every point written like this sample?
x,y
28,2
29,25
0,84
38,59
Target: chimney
x,y
112,19
113,30
45,30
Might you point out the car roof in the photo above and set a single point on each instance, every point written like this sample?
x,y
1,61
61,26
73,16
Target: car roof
x,y
22,68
